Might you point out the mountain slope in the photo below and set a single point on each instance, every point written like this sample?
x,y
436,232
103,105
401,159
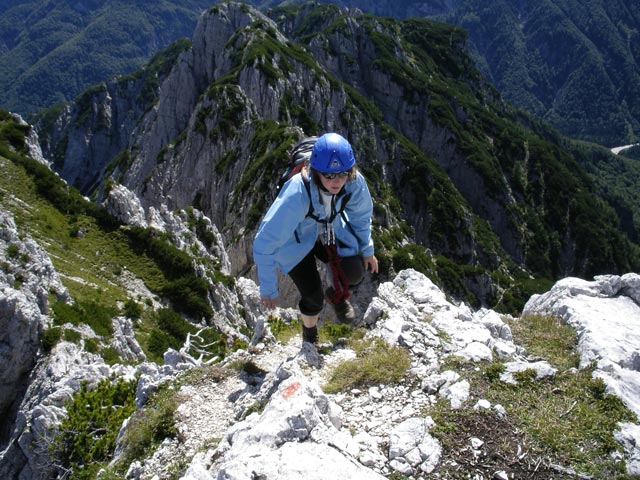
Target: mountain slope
x,y
50,51
574,64
453,169
188,418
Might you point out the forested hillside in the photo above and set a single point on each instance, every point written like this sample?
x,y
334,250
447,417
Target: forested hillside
x,y
51,50
574,64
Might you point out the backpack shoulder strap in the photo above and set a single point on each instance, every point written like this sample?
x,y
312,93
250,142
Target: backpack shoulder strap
x,y
340,212
347,197
307,186
345,200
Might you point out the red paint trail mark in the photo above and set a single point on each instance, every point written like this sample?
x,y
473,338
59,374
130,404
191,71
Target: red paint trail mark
x,y
291,389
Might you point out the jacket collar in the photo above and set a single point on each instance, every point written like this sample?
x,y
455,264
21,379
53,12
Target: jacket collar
x,y
318,207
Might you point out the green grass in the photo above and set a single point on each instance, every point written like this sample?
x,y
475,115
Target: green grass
x,y
97,316
282,330
149,426
327,333
548,337
90,263
162,329
566,420
376,363
337,332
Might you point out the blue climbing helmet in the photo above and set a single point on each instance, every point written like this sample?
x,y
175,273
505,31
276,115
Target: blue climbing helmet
x,y
332,153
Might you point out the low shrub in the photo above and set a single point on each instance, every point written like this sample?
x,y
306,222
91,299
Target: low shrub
x,y
97,316
86,438
148,427
50,338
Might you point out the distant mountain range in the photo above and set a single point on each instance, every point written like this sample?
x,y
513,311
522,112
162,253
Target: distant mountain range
x,y
51,50
573,64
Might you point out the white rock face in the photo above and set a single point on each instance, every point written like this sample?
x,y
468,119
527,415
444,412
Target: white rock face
x,y
606,314
412,313
31,141
629,437
293,437
124,341
26,280
123,204
542,369
53,382
411,442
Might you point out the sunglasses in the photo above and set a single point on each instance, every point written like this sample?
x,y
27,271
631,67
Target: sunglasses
x,y
331,176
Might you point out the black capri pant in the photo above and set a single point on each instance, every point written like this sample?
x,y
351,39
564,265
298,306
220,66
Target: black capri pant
x,y
306,277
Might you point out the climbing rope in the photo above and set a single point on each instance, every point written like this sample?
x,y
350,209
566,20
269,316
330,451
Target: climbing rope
x,y
340,281
341,291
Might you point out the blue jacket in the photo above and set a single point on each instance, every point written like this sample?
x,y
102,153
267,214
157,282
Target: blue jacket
x,y
286,234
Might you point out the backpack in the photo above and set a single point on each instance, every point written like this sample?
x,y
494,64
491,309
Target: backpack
x,y
299,156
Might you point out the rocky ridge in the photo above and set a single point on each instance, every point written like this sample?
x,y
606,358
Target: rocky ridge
x,y
370,433
375,432
226,106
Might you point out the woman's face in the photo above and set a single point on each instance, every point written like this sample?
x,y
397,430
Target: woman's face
x,y
335,184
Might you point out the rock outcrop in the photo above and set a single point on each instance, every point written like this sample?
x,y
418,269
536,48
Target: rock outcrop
x,y
606,315
277,422
379,428
27,278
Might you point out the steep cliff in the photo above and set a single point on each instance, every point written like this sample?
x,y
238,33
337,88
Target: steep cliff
x,y
121,365
440,149
560,60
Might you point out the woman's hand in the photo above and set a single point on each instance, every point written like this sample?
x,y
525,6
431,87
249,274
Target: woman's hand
x,y
370,263
269,302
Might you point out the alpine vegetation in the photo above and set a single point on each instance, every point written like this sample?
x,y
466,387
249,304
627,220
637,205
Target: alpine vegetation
x,y
498,338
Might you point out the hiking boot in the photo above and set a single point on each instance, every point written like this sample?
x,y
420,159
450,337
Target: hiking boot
x,y
310,353
344,310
